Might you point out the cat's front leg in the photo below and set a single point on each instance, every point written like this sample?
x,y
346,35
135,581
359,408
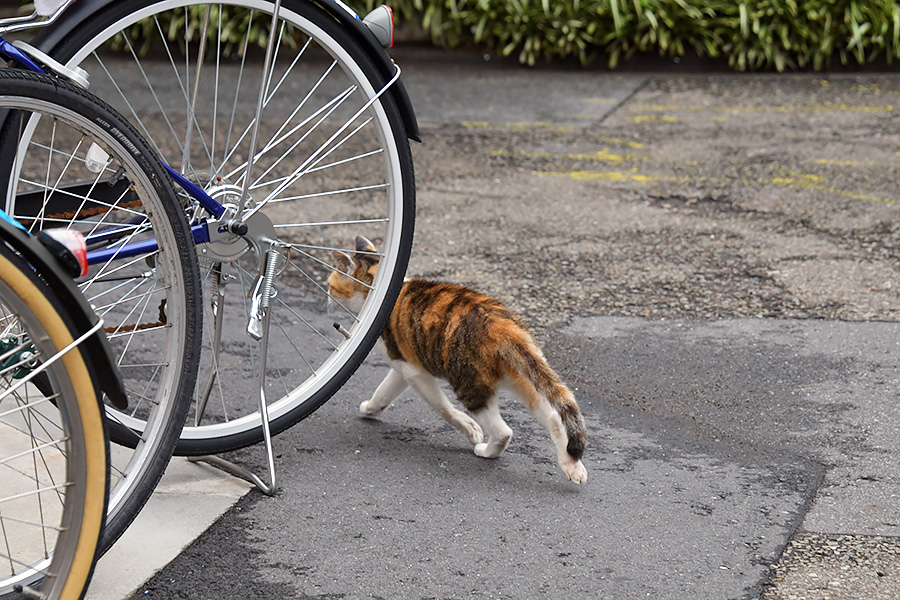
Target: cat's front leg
x,y
498,432
387,391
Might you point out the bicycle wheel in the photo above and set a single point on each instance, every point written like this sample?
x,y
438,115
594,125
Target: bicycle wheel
x,y
333,163
75,163
53,448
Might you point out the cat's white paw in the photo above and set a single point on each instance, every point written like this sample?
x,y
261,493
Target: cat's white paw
x,y
575,471
482,451
473,432
369,409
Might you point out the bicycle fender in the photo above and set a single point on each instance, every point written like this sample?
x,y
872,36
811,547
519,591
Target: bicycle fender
x,y
382,60
79,12
97,353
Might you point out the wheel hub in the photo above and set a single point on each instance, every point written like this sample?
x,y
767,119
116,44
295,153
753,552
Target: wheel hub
x,y
224,244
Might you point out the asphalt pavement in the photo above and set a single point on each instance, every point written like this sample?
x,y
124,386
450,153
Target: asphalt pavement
x,y
736,362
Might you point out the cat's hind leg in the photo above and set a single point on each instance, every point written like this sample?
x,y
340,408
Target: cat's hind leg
x,y
549,417
387,391
572,468
428,388
495,428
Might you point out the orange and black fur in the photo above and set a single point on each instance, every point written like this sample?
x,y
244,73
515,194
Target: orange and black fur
x,y
441,330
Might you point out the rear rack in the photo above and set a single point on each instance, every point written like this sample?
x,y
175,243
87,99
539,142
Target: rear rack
x,y
34,20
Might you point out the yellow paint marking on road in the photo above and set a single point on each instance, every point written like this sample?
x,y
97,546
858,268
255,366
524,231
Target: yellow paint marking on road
x,y
519,126
669,108
599,176
623,142
621,176
857,163
805,183
873,90
843,107
800,182
654,119
802,176
600,156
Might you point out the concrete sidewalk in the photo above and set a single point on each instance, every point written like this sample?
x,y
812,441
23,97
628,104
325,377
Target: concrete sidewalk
x,y
186,502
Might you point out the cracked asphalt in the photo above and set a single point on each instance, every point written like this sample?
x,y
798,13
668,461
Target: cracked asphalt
x,y
710,260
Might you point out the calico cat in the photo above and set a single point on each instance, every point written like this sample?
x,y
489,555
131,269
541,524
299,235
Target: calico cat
x,y
440,330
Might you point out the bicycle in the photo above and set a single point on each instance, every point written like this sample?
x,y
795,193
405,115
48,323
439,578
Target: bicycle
x,y
355,177
54,365
330,160
61,146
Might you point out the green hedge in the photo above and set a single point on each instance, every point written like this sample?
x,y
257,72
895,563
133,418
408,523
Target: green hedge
x,y
750,34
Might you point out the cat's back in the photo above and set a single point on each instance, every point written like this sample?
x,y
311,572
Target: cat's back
x,y
437,305
429,317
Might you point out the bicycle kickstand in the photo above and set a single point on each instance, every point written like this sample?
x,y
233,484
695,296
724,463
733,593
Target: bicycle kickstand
x,y
258,329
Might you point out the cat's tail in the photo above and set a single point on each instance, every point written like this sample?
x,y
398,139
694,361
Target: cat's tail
x,y
531,372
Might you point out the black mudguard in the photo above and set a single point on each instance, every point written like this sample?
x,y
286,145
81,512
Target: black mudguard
x,y
96,350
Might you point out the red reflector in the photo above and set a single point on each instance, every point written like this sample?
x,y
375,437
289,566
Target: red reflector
x,y
69,242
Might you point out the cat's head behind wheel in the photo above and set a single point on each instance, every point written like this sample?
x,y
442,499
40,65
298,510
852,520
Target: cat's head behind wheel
x,y
350,281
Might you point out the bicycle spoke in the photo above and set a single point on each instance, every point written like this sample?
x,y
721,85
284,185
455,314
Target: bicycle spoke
x,y
136,118
103,309
322,113
362,188
237,91
215,118
86,285
324,291
39,524
32,420
191,117
331,104
337,103
334,223
307,323
274,359
348,160
130,334
47,190
289,70
316,157
37,492
58,444
192,103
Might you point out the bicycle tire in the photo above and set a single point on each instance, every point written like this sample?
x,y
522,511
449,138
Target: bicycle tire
x,y
326,47
29,420
69,115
